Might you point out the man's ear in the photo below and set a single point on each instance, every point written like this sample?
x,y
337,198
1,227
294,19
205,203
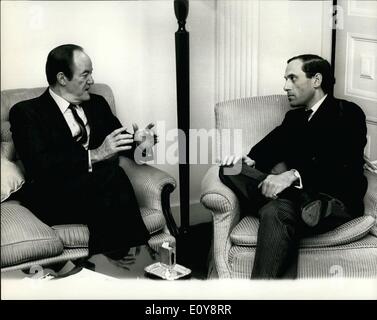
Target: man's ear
x,y
317,80
60,77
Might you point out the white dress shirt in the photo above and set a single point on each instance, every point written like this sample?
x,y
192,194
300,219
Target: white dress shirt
x,y
71,122
315,107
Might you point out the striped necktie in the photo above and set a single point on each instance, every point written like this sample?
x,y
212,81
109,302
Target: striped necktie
x,y
83,136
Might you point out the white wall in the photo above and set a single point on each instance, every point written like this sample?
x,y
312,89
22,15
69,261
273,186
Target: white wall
x,y
201,25
255,38
289,28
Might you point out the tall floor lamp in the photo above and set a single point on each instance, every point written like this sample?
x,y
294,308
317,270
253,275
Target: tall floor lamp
x,y
181,8
333,38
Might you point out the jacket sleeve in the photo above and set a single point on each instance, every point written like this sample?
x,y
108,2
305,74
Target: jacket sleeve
x,y
111,123
40,156
270,150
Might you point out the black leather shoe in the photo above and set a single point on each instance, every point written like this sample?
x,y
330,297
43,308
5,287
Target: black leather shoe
x,y
314,210
311,213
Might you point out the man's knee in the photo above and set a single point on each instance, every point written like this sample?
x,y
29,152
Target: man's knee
x,y
279,209
269,211
223,178
228,180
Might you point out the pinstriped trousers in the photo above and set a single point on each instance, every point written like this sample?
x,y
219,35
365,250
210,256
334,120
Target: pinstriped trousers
x,y
280,227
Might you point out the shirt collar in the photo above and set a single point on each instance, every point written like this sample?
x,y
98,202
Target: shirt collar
x,y
317,105
62,103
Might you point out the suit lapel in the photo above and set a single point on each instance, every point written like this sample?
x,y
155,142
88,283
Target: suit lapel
x,y
54,117
88,110
324,113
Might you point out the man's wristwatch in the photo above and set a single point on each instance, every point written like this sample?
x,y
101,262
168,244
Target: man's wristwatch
x,y
296,174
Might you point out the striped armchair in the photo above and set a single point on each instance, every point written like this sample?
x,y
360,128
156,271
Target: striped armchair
x,y
348,251
26,241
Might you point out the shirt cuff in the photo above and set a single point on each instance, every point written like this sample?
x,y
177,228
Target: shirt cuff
x,y
298,182
90,168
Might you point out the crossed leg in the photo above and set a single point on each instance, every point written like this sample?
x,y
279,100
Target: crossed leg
x,y
280,226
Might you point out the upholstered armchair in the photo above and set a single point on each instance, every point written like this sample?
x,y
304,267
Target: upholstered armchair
x,y
26,241
348,251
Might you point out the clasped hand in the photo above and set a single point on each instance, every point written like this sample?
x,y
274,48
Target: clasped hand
x,y
118,141
115,142
272,185
275,183
230,160
147,137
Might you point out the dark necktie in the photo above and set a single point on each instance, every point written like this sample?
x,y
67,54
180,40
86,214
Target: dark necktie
x,y
83,136
307,114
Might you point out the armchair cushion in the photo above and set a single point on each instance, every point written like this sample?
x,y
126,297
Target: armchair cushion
x,y
77,235
245,233
73,235
12,178
344,234
7,148
24,237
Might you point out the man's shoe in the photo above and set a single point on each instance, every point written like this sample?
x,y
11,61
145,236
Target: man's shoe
x,y
313,211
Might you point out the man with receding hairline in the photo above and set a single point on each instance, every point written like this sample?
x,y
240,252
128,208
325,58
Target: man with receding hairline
x,y
69,142
306,176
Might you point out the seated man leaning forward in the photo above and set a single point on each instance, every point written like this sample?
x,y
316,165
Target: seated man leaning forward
x,y
69,142
306,176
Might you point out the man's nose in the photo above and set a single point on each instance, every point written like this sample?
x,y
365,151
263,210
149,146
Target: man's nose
x,y
90,79
287,86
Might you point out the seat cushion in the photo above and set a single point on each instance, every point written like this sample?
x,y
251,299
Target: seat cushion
x,y
73,235
77,235
356,259
24,237
245,233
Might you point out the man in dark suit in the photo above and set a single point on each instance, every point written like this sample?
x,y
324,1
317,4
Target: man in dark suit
x,y
320,146
69,142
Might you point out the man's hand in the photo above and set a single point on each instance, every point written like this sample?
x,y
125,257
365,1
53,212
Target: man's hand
x,y
115,142
233,159
276,183
146,136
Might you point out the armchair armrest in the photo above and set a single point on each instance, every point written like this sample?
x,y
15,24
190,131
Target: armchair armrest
x,y
224,206
152,188
216,196
370,199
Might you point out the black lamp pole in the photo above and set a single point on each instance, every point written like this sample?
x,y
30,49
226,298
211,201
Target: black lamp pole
x,y
333,38
181,8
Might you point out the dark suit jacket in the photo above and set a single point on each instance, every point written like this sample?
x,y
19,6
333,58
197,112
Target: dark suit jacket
x,y
53,160
44,141
327,151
